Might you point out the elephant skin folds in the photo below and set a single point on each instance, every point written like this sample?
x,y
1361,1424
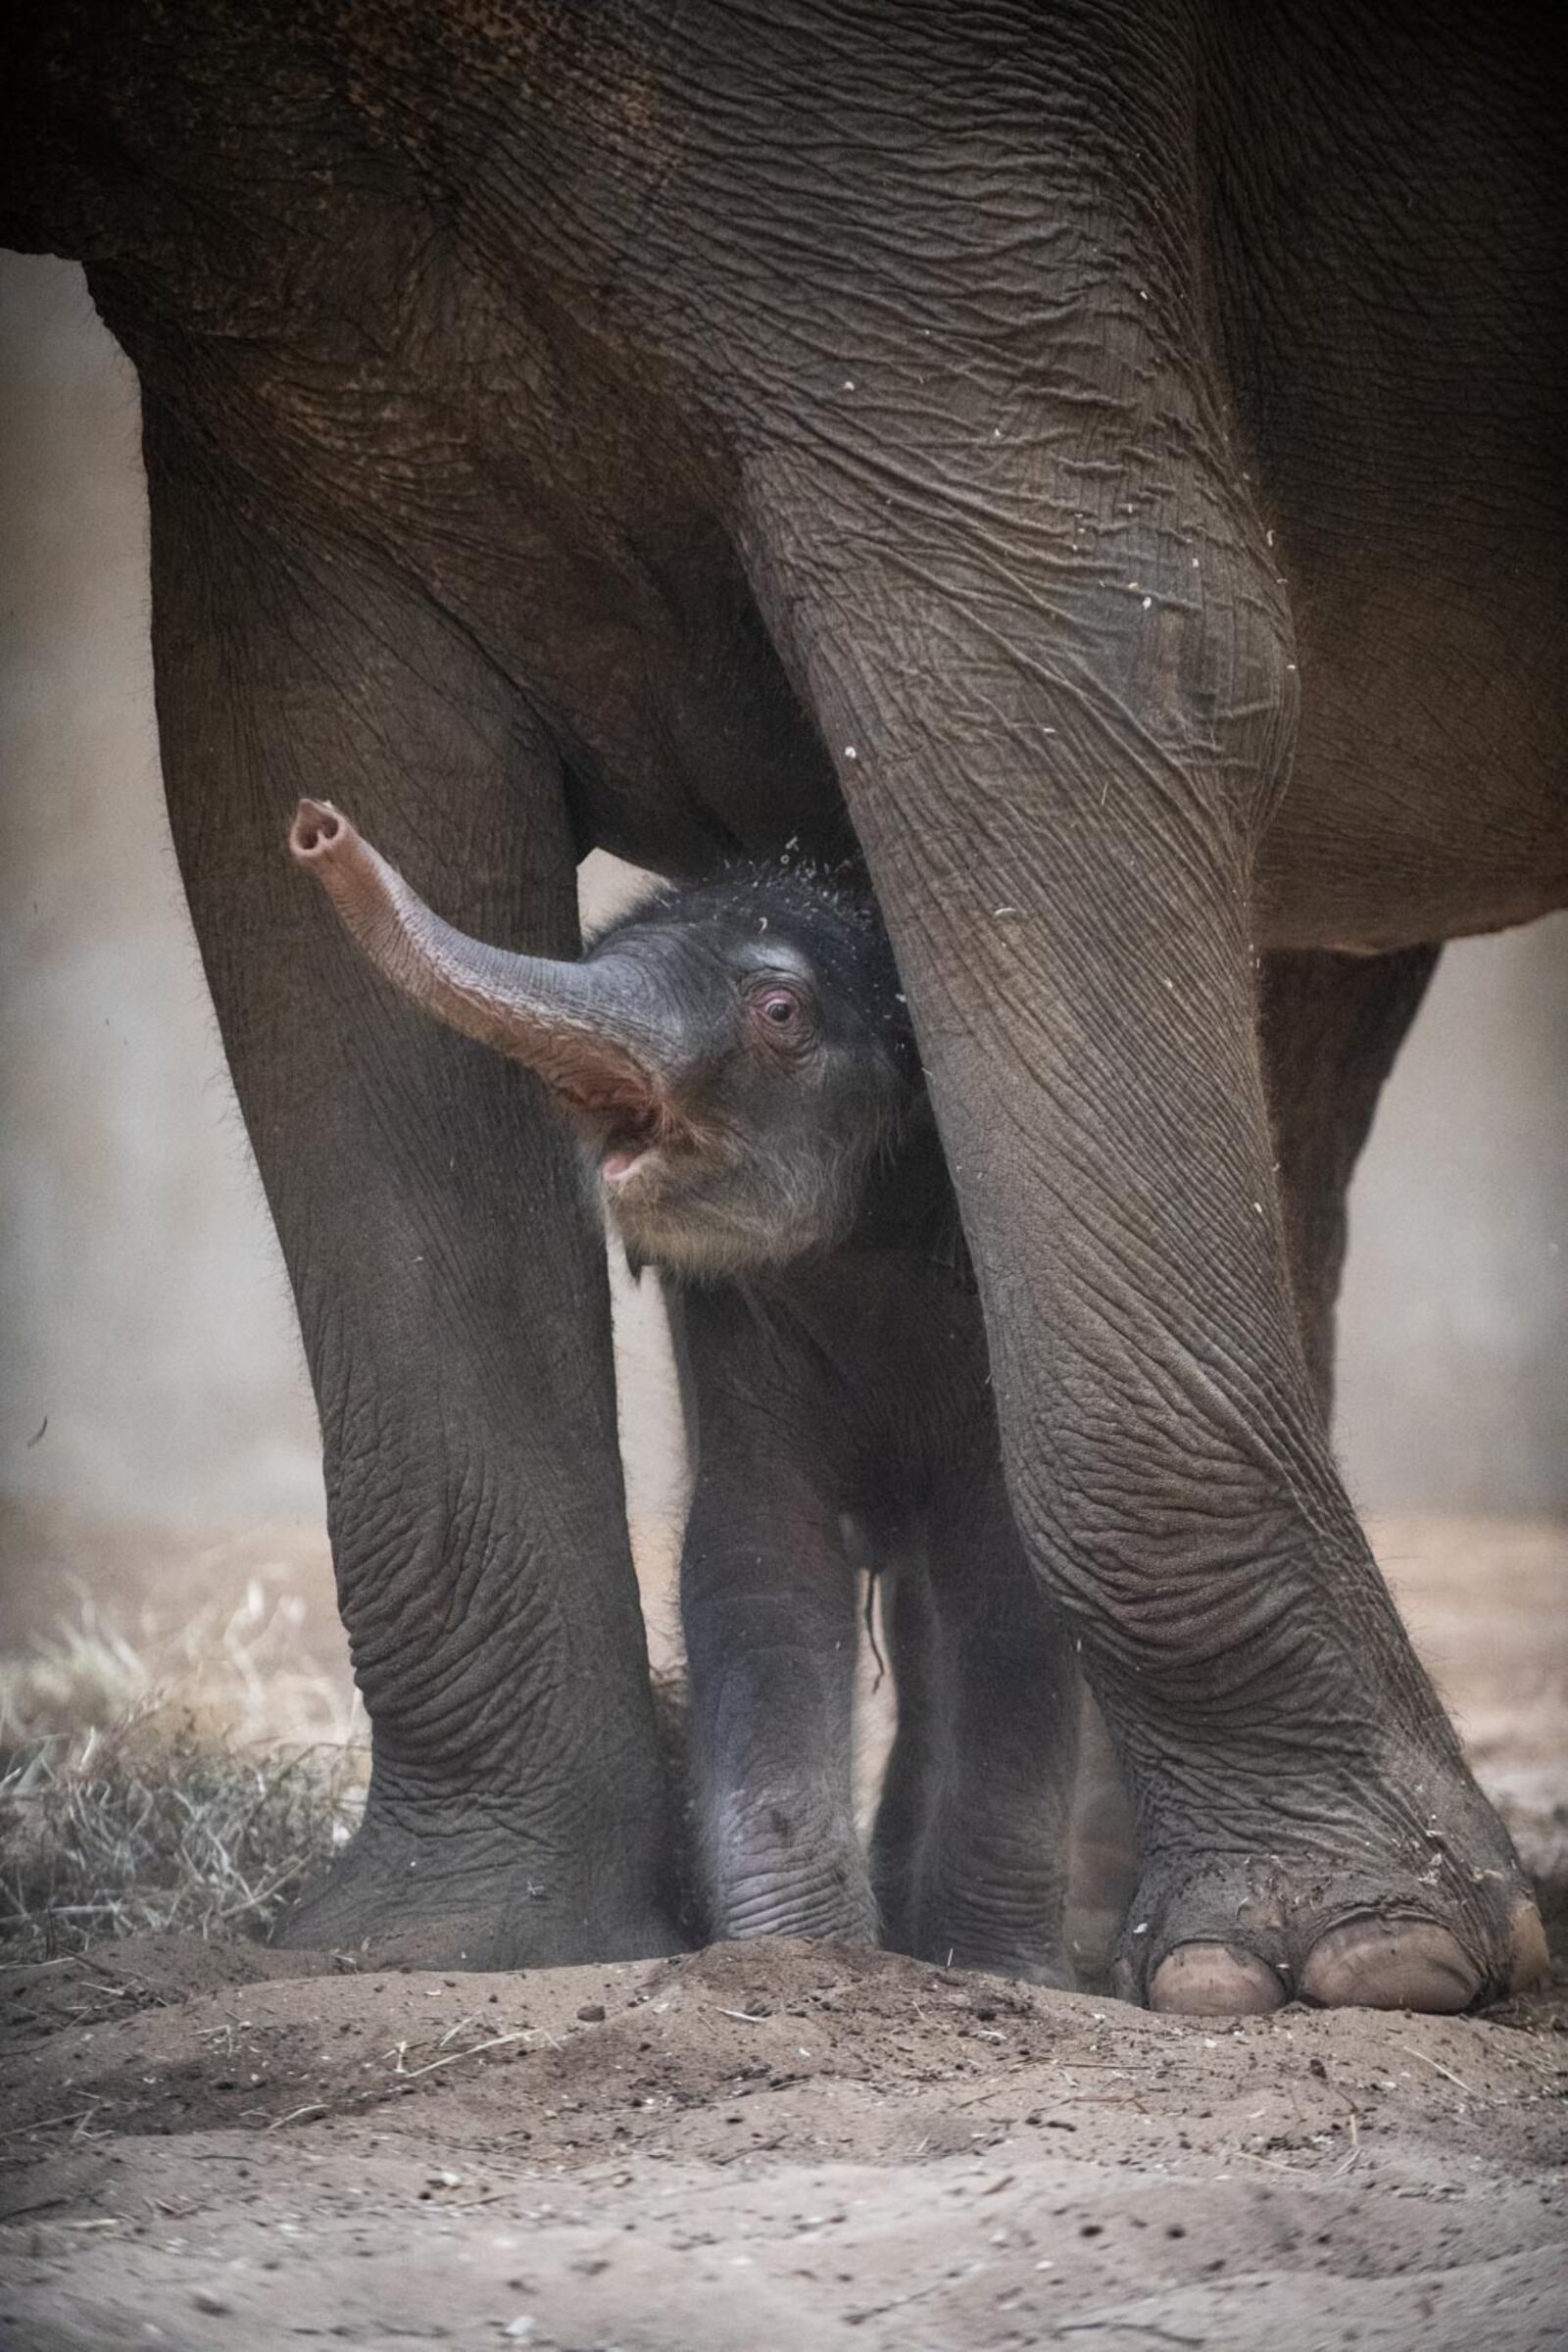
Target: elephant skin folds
x,y
1103,474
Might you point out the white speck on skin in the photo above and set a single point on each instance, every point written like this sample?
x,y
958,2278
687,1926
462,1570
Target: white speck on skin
x,y
849,383
1148,600
850,752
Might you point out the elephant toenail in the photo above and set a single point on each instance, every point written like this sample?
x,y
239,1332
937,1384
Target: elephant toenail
x,y
1390,1964
1215,1980
1528,1961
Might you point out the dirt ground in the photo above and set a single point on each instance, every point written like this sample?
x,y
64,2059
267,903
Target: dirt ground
x,y
789,2146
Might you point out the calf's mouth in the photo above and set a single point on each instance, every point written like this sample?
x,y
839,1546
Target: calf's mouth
x,y
630,1143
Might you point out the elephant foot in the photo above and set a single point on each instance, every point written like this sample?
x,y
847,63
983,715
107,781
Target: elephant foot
x,y
1028,1960
1003,1937
783,1860
974,1898
835,1904
1414,1906
444,1884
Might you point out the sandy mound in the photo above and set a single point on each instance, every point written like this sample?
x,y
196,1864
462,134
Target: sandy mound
x,y
773,2145
762,2148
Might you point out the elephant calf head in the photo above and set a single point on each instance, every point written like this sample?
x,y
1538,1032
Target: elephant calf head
x,y
735,1055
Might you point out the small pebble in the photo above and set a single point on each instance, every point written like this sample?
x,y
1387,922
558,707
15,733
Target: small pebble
x,y
592,2013
205,2300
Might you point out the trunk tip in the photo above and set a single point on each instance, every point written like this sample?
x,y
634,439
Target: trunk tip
x,y
317,832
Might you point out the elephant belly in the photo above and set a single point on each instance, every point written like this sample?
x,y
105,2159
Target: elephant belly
x,y
1385,222
1428,798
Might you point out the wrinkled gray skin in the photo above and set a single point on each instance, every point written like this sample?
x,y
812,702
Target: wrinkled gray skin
x,y
1104,454
738,1062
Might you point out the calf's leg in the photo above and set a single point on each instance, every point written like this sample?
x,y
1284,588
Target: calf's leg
x,y
451,1289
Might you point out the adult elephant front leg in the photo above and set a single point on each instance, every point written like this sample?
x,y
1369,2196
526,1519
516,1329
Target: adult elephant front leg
x,y
451,1290
1058,770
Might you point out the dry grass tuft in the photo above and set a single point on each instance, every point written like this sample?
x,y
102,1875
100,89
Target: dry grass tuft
x,y
144,1783
150,1825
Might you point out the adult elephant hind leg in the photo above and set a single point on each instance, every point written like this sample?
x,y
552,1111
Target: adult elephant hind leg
x,y
985,1882
902,1596
450,1291
1059,799
1331,1026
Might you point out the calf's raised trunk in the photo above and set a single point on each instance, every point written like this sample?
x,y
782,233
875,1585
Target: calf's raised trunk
x,y
591,1031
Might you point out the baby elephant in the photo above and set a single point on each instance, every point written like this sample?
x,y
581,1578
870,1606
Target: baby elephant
x,y
737,1060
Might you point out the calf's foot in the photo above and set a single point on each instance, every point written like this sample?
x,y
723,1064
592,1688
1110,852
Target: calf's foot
x,y
786,1863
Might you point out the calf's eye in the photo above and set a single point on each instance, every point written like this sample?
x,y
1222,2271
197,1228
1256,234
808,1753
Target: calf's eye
x,y
780,1008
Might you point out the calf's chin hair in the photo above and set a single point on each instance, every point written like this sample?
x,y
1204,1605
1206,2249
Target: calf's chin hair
x,y
809,1203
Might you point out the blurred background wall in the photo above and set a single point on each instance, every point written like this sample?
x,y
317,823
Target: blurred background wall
x,y
144,1308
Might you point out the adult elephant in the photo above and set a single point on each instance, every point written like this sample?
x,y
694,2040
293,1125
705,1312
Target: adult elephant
x,y
1106,451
